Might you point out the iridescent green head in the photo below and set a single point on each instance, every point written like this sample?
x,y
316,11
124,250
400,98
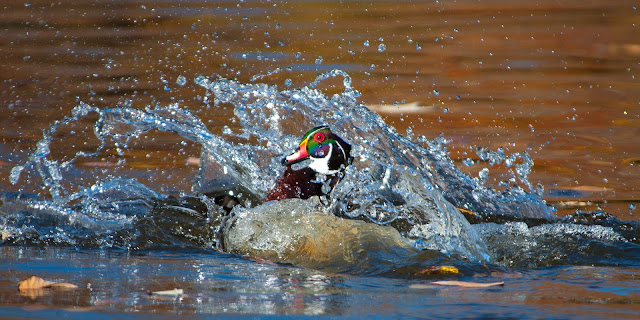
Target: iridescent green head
x,y
327,151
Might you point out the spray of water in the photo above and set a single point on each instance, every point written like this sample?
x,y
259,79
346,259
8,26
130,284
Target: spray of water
x,y
408,183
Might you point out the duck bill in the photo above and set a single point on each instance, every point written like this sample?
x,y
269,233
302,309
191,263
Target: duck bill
x,y
300,155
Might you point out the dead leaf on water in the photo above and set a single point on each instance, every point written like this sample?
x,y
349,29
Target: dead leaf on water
x,y
193,161
260,260
464,284
422,286
98,164
468,284
33,286
585,188
438,270
467,212
572,204
411,107
33,282
174,292
62,285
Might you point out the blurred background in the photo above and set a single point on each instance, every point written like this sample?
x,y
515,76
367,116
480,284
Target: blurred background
x,y
554,78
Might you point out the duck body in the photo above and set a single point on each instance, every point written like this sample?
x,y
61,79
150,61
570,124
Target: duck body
x,y
295,184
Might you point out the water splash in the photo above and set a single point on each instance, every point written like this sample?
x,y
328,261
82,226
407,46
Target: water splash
x,y
409,183
515,244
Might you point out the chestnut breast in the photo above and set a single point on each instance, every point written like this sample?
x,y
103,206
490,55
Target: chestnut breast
x,y
295,184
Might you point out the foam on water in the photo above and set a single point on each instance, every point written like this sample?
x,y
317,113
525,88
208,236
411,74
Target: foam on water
x,y
407,183
515,244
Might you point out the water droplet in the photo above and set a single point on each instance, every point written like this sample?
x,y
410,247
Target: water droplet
x,y
437,39
436,92
457,97
181,81
298,55
445,110
418,47
366,43
467,162
409,133
15,174
531,127
632,207
278,26
287,82
373,66
382,47
319,60
483,175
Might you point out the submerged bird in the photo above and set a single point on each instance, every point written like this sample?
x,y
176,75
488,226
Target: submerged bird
x,y
329,156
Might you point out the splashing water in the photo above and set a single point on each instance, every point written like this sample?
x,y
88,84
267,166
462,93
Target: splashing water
x,y
409,184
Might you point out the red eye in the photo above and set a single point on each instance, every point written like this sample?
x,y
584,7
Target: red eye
x,y
319,137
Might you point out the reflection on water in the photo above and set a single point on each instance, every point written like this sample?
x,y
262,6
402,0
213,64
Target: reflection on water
x,y
113,283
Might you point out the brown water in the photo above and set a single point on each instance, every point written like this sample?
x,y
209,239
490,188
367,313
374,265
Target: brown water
x,y
554,78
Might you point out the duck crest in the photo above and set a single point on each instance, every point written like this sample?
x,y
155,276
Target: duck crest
x,y
329,156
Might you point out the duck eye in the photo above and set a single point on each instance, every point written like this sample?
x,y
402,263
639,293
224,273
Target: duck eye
x,y
319,137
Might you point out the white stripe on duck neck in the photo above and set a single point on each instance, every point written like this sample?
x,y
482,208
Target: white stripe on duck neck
x,y
321,165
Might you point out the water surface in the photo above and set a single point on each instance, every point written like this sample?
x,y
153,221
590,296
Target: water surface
x,y
463,85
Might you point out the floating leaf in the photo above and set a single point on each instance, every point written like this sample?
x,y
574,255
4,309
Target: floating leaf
x,y
465,211
32,283
260,260
174,292
438,270
464,284
469,284
62,285
33,286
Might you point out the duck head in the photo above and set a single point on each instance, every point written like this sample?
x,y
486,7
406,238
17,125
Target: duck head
x,y
329,154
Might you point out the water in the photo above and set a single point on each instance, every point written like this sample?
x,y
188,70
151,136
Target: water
x,y
118,164
402,193
117,284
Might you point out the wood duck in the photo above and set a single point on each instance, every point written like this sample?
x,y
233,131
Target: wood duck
x,y
329,156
